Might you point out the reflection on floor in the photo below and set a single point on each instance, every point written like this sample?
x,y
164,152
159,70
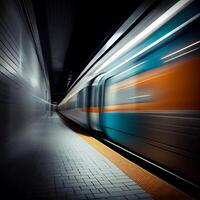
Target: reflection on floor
x,y
53,162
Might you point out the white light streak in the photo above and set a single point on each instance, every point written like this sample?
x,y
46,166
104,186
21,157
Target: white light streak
x,y
178,51
151,28
135,66
141,96
112,39
43,100
181,55
146,32
157,41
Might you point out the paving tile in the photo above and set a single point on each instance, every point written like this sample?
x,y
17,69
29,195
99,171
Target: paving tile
x,y
131,197
144,195
102,195
117,198
69,168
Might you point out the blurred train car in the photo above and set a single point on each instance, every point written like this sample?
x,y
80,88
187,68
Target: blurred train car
x,y
150,104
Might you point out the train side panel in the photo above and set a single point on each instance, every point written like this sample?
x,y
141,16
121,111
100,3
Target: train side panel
x,y
157,115
75,108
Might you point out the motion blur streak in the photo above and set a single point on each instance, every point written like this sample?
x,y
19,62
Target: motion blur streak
x,y
150,29
144,95
183,54
155,43
24,92
166,91
101,66
129,70
171,54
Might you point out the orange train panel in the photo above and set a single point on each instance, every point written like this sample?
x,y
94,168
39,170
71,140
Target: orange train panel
x,y
91,109
173,87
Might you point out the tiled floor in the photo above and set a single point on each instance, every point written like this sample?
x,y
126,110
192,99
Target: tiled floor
x,y
67,167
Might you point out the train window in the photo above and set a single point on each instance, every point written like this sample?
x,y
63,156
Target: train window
x,y
84,98
96,97
93,96
117,95
79,100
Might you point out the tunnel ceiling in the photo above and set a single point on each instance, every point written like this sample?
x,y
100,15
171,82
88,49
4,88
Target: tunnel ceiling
x,y
72,31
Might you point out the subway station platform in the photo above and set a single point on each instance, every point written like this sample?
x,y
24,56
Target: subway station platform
x,y
63,164
128,71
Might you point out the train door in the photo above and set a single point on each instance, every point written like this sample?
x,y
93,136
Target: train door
x,y
94,119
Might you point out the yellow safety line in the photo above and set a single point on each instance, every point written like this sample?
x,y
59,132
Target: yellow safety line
x,y
155,186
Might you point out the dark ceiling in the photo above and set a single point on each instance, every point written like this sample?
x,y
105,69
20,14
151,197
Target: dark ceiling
x,y
72,31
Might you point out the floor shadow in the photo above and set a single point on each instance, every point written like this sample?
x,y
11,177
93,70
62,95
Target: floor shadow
x,y
74,126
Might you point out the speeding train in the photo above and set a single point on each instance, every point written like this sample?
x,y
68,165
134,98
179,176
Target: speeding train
x,y
143,93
